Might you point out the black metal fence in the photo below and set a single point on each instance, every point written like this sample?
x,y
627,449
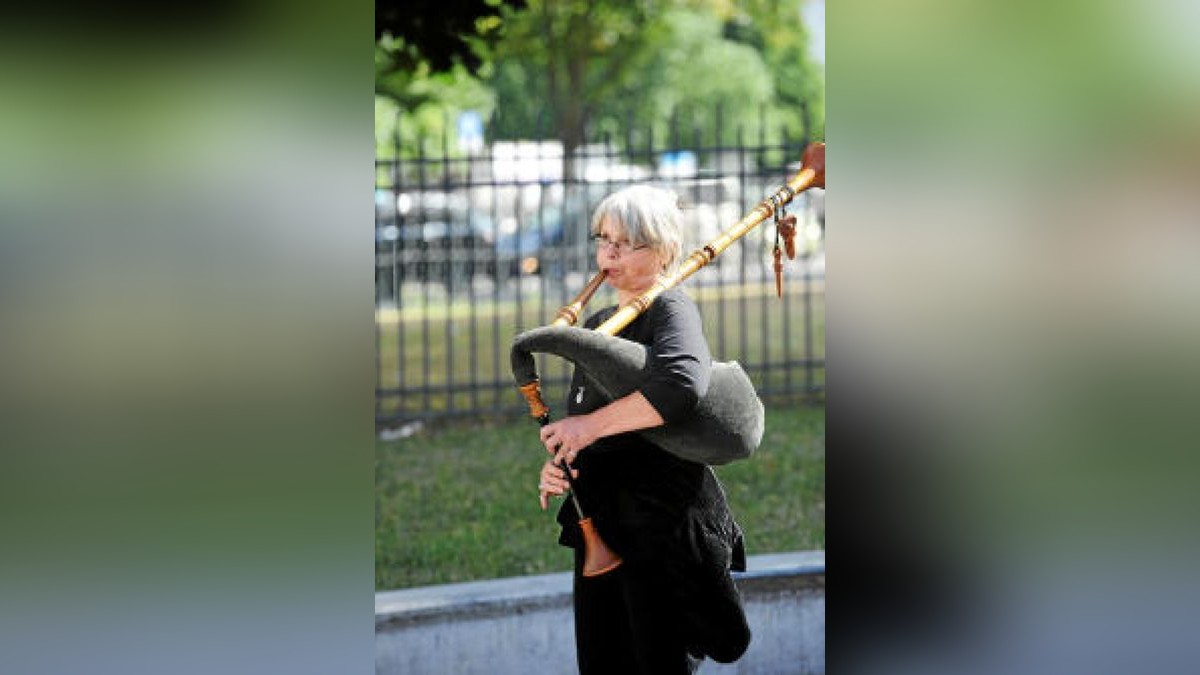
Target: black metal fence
x,y
475,243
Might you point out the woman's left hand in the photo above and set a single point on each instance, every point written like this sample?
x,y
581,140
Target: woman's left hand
x,y
566,437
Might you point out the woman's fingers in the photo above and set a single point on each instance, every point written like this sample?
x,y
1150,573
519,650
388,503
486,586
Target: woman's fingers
x,y
570,433
556,486
552,482
549,436
569,458
566,455
551,471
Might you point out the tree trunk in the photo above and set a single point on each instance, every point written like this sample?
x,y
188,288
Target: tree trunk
x,y
573,106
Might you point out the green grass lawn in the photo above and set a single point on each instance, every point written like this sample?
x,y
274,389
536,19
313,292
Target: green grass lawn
x,y
460,503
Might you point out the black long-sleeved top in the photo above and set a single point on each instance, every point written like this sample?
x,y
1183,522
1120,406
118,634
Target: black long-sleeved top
x,y
647,504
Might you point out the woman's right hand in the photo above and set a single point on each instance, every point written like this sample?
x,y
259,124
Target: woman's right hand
x,y
553,482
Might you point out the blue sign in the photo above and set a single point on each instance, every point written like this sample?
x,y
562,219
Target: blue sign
x,y
470,131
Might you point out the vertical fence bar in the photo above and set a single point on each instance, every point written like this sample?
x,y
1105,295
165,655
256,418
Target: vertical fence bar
x,y
741,296
397,276
446,273
765,306
541,252
762,168
497,277
378,302
472,270
699,190
426,394
808,334
718,138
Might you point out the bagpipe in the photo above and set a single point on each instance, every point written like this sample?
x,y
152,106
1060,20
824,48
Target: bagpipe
x,y
727,423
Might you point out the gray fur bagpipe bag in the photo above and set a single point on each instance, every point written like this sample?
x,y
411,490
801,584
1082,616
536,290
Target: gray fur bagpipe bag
x,y
727,424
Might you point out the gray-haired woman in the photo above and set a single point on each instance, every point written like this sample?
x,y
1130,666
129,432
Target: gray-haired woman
x,y
673,601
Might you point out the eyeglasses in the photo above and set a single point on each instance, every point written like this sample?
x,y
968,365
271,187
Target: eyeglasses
x,y
618,247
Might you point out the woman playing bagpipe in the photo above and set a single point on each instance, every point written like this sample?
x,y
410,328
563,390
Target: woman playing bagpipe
x,y
648,413
672,601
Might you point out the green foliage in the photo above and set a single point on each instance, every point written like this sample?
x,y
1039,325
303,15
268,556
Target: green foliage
x,y
776,29
574,70
412,107
704,71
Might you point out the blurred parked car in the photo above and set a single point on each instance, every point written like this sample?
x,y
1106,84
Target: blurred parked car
x,y
551,241
419,238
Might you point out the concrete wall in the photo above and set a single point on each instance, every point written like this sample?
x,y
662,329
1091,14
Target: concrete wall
x,y
524,624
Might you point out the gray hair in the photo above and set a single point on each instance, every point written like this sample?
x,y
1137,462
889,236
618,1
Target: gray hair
x,y
650,216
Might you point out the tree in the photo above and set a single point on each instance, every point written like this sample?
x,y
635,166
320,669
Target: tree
x,y
569,67
573,55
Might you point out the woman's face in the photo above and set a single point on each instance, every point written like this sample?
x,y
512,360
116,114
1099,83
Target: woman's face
x,y
630,271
